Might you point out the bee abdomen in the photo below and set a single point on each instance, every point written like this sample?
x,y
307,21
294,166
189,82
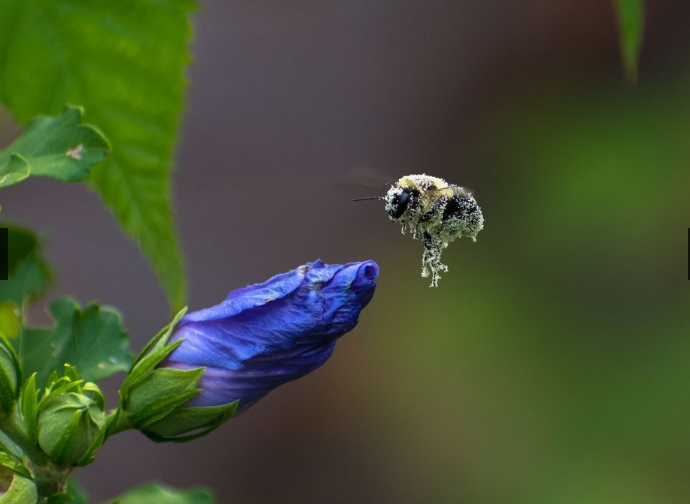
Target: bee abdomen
x,y
460,207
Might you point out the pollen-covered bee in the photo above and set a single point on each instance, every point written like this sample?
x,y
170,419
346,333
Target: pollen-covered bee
x,y
434,212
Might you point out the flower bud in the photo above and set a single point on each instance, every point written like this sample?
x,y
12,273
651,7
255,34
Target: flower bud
x,y
267,334
10,375
68,425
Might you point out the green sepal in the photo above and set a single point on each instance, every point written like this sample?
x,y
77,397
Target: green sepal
x,y
146,366
156,396
29,407
155,351
55,390
160,339
7,394
97,395
71,373
10,375
21,491
10,462
202,419
60,452
90,453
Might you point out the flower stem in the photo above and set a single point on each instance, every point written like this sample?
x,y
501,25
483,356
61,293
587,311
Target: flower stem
x,y
116,422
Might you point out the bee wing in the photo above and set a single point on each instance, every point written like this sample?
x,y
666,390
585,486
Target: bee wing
x,y
361,180
457,188
363,177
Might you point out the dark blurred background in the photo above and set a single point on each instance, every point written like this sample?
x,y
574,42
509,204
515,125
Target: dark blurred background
x,y
552,365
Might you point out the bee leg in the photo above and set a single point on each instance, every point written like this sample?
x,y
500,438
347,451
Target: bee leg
x,y
431,259
425,261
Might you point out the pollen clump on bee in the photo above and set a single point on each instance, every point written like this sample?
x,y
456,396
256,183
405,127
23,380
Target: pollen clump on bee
x,y
436,213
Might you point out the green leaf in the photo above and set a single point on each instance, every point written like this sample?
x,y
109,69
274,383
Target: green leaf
x,y
124,61
29,277
21,491
92,340
60,147
631,27
161,494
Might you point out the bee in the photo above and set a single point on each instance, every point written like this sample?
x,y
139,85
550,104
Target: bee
x,y
434,212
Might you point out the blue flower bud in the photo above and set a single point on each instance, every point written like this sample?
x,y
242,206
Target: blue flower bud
x,y
267,334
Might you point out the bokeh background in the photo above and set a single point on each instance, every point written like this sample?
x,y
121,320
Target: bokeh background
x,y
552,365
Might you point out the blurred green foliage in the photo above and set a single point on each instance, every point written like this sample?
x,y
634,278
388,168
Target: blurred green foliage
x,y
631,26
162,494
551,365
124,62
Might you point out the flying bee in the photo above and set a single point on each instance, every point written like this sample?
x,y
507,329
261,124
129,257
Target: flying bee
x,y
434,212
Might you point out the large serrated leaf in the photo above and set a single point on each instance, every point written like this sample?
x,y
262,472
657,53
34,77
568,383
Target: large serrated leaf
x,y
161,494
631,28
124,61
61,147
92,340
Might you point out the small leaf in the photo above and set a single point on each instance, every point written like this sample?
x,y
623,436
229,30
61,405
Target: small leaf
x,y
60,147
631,27
125,63
92,340
29,276
161,494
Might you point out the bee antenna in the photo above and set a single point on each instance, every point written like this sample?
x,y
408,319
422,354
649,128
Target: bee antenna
x,y
368,198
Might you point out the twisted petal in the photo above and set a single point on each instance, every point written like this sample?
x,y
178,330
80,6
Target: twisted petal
x,y
266,334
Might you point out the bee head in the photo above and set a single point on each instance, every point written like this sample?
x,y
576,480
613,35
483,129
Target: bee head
x,y
399,199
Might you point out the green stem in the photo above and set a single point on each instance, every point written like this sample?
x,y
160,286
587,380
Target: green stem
x,y
49,478
116,422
